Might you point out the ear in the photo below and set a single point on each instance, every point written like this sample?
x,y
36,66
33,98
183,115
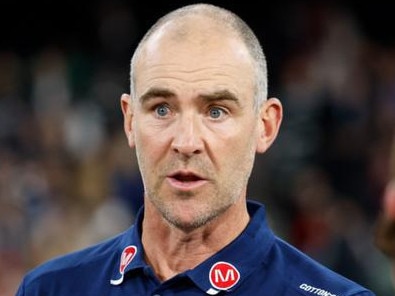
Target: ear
x,y
127,110
271,115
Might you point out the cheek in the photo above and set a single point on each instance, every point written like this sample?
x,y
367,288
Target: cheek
x,y
242,137
243,155
152,146
148,146
147,135
237,150
247,145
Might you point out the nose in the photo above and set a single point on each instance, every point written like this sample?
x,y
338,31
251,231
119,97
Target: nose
x,y
187,136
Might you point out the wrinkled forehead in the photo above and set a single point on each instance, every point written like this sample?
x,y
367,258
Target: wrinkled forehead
x,y
194,41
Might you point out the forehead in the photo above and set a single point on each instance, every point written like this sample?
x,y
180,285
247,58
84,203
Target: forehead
x,y
195,52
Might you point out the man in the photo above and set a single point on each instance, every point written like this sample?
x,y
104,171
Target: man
x,y
196,115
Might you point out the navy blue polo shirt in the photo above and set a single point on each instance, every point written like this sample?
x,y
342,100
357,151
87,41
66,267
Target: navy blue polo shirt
x,y
255,263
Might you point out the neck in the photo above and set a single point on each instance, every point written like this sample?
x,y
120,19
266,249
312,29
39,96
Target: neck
x,y
170,251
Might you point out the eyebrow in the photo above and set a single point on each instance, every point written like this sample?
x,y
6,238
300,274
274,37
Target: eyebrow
x,y
156,92
220,95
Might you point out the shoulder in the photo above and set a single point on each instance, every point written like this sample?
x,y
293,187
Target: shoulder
x,y
77,259
309,277
83,267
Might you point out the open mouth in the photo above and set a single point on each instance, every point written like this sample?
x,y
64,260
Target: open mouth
x,y
185,180
186,177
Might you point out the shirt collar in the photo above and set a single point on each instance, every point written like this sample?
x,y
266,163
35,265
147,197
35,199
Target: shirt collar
x,y
224,270
246,253
130,251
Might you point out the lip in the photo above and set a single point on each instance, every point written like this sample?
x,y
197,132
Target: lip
x,y
186,180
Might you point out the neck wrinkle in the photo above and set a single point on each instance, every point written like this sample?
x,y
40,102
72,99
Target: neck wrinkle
x,y
170,251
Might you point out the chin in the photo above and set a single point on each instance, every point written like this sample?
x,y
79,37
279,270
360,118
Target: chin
x,y
188,222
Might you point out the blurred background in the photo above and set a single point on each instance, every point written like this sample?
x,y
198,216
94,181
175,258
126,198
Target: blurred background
x,y
68,178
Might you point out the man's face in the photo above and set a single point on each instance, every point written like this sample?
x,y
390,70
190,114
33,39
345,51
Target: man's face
x,y
194,126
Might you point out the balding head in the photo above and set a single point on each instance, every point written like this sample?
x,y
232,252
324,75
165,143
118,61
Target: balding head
x,y
200,24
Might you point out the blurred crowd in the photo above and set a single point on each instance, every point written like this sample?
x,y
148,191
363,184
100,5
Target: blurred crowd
x,y
68,178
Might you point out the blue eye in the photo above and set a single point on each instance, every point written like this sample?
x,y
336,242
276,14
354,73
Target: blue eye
x,y
162,110
215,112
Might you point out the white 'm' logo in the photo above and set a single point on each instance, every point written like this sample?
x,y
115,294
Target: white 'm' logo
x,y
224,275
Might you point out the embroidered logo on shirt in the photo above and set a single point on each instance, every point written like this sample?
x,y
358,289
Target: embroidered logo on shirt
x,y
126,257
315,291
224,275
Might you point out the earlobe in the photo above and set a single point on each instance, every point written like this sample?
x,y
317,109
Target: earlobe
x,y
127,110
271,115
